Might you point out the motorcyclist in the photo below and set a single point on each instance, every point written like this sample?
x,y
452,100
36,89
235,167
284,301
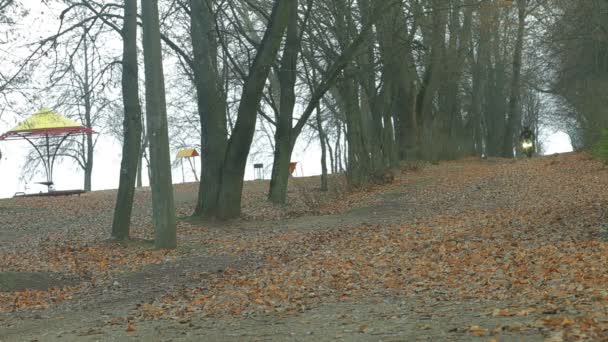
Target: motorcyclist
x,y
526,139
526,134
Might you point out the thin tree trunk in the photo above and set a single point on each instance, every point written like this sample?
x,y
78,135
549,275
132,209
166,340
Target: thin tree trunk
x,y
156,110
140,172
322,139
330,152
88,163
88,170
339,165
131,158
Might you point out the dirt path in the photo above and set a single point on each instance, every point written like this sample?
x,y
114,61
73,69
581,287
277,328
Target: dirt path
x,y
479,204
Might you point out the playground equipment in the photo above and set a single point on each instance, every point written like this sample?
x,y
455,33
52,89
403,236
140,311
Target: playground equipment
x,y
293,168
46,131
188,154
258,171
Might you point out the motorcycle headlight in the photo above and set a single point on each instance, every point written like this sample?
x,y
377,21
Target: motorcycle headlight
x,y
527,144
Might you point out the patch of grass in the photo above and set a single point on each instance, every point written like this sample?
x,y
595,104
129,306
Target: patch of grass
x,y
601,149
136,243
19,281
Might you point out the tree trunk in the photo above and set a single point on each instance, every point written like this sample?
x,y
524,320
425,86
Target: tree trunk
x,y
323,151
89,147
330,152
451,126
480,66
338,149
156,110
233,171
514,121
211,106
284,129
494,108
435,38
88,169
140,171
284,141
359,164
131,159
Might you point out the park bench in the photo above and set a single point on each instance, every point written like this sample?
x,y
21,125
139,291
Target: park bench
x,y
52,193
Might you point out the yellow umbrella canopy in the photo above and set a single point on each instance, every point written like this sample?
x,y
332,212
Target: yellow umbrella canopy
x,y
46,131
45,122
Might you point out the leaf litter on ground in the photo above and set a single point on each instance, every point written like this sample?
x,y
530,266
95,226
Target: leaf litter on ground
x,y
530,233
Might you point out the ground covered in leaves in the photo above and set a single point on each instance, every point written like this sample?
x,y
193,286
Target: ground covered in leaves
x,y
466,250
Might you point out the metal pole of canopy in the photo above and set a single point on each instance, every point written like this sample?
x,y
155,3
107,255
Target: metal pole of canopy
x,y
194,168
48,159
56,151
49,167
183,175
37,149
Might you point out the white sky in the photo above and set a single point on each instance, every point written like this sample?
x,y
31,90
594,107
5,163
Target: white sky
x,y
557,143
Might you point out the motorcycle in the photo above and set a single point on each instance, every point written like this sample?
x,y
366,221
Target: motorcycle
x,y
527,147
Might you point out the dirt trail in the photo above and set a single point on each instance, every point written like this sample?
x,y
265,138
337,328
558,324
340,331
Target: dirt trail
x,y
471,194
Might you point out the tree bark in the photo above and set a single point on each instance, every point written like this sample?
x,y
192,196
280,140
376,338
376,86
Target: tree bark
x,y
140,171
435,38
338,149
358,168
330,152
233,171
211,106
480,60
284,130
495,106
322,139
514,120
89,146
156,112
284,142
131,159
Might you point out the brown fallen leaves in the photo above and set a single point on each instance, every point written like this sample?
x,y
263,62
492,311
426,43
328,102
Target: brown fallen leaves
x,y
528,233
90,264
34,299
66,234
